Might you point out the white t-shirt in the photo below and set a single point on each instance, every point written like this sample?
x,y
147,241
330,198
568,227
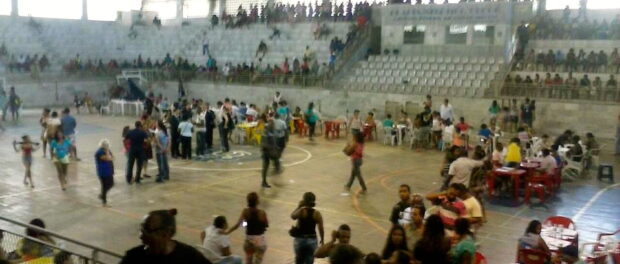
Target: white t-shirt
x,y
436,124
446,112
472,207
214,243
461,170
548,164
185,129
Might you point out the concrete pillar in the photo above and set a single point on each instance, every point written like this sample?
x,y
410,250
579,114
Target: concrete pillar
x,y
211,9
469,40
14,7
222,8
180,9
84,9
540,9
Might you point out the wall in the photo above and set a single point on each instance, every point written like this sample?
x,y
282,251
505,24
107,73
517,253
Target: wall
x,y
552,116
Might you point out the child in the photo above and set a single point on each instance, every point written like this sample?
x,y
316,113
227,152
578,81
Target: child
x,y
26,147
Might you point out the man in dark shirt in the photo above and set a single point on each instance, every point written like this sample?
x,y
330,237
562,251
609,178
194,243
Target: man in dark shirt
x,y
149,104
404,193
136,153
157,247
210,125
174,133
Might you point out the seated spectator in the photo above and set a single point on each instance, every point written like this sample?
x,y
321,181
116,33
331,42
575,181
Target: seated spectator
x,y
462,125
497,158
396,241
523,135
513,155
276,33
575,153
434,246
547,162
157,230
532,240
485,132
216,243
29,249
464,249
415,220
388,122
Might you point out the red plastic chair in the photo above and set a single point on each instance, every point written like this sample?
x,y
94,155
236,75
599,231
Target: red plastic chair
x,y
561,221
480,259
538,188
532,256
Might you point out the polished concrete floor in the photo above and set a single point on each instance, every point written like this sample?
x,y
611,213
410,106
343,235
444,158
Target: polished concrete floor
x,y
203,189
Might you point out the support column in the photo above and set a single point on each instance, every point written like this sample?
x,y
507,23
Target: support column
x,y
84,9
180,10
222,8
211,9
14,7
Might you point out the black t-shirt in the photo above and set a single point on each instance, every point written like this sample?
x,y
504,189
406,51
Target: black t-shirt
x,y
136,138
182,254
398,208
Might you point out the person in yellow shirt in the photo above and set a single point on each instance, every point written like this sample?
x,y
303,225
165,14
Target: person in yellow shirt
x,y
513,156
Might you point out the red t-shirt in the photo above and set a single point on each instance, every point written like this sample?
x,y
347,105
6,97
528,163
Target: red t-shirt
x,y
358,153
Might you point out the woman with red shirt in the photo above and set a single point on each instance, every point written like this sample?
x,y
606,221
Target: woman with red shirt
x,y
356,161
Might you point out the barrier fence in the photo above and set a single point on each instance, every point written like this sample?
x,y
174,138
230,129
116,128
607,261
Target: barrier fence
x,y
45,246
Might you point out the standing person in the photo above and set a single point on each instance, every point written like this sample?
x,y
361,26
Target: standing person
x,y
356,155
447,112
135,155
60,155
311,117
26,147
304,232
52,126
105,169
527,112
201,131
174,134
162,146
494,110
396,241
4,103
186,130
68,124
355,123
618,137
226,125
216,243
404,192
210,123
270,151
14,104
256,221
156,232
43,122
434,246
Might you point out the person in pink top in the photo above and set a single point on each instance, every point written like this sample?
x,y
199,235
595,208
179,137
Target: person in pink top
x,y
356,161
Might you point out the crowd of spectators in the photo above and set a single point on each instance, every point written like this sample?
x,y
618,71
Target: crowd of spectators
x,y
580,27
294,13
555,86
28,63
571,61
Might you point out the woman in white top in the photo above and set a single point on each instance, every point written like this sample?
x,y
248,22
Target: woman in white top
x,y
216,243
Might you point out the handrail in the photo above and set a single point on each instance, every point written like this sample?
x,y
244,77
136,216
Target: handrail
x,y
562,92
350,50
45,231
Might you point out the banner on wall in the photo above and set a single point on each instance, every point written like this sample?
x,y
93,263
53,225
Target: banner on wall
x,y
462,13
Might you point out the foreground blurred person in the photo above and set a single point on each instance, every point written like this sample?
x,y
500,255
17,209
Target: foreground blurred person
x,y
156,232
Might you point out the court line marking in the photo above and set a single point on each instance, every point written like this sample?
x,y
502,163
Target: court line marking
x,y
592,200
308,157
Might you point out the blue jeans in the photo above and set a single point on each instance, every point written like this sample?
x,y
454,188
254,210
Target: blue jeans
x,y
230,260
304,250
162,164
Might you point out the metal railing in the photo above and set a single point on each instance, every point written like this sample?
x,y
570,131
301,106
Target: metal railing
x,y
564,92
47,246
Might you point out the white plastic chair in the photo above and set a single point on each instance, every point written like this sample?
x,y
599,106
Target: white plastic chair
x,y
388,136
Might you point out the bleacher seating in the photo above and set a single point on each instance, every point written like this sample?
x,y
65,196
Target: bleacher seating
x,y
449,75
239,45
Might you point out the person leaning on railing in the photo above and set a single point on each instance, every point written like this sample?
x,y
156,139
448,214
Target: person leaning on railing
x,y
28,249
